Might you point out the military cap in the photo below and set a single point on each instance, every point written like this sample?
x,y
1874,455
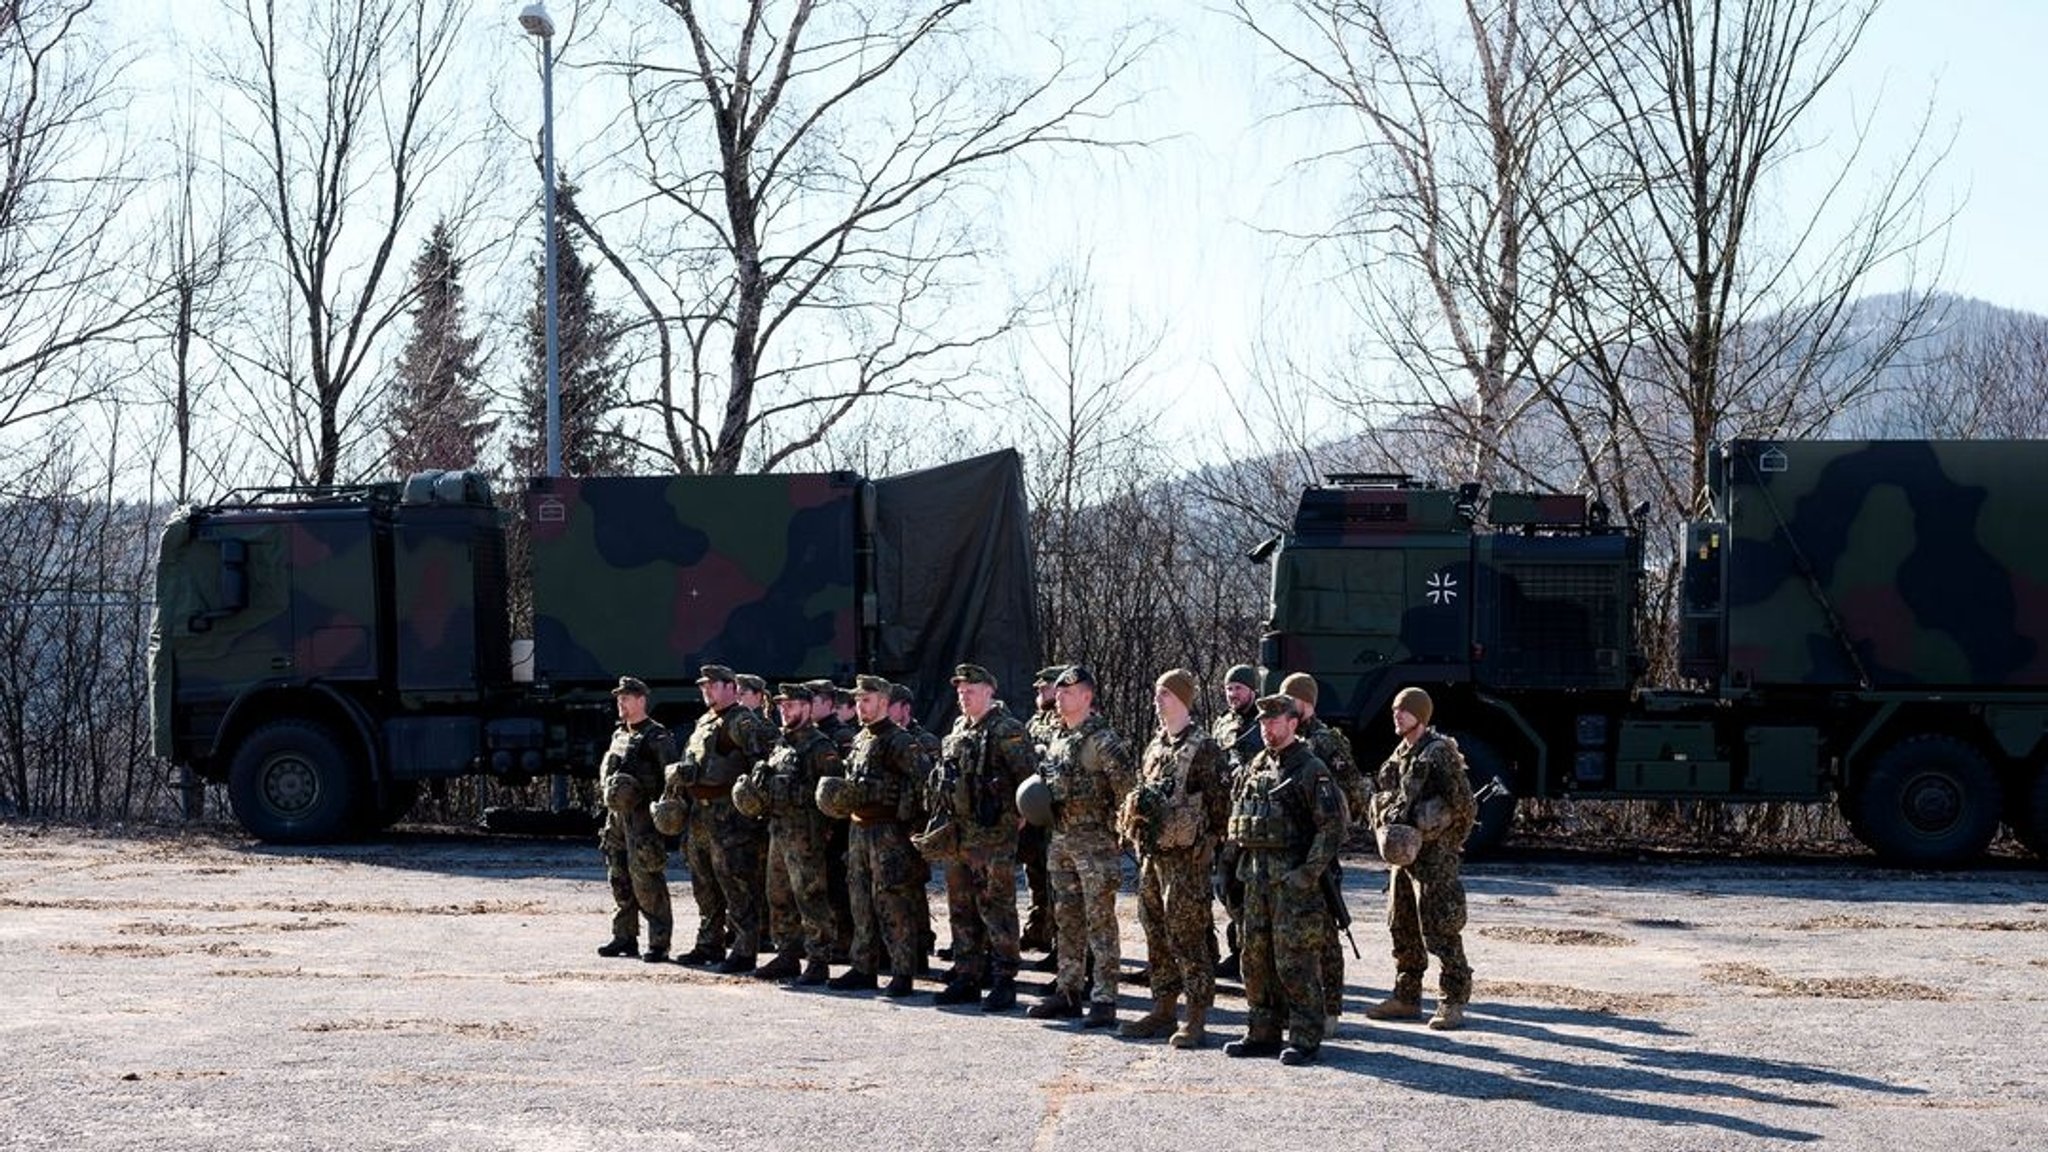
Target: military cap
x,y
842,697
901,694
1181,683
1075,674
867,683
717,672
1049,674
973,674
1415,702
630,686
1243,674
1279,704
748,682
821,688
793,692
1301,686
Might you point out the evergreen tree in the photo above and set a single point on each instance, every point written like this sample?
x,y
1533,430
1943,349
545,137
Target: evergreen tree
x,y
593,438
437,417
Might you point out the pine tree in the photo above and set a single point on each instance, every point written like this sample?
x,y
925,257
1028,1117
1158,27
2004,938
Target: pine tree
x,y
593,441
437,417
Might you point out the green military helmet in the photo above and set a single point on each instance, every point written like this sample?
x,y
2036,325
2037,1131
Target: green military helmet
x,y
621,792
748,798
837,797
1034,801
1399,844
668,817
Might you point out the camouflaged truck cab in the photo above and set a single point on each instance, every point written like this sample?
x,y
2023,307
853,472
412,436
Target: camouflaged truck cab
x,y
324,651
1861,620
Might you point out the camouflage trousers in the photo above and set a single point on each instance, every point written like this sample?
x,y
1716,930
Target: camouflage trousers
x,y
1333,965
1085,870
726,875
1037,928
1425,914
1284,931
1174,909
636,863
886,877
838,890
799,912
981,904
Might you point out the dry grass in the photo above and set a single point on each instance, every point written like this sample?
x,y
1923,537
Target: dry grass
x,y
1572,937
1823,987
1583,999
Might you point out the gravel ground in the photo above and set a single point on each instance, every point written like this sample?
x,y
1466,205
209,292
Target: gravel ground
x,y
442,992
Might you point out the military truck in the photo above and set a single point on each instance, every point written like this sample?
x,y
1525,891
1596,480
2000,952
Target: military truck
x,y
1865,621
324,651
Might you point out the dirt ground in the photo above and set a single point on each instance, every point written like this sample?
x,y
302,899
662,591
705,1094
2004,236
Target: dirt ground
x,y
439,991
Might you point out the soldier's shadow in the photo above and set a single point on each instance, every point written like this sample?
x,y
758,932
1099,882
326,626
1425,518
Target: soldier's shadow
x,y
1584,1072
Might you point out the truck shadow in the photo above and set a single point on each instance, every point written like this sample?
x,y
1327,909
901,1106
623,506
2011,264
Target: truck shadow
x,y
1573,1071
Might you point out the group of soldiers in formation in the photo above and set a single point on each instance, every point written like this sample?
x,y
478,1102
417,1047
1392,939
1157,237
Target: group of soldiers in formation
x,y
810,843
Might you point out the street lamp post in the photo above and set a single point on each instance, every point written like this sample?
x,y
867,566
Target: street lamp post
x,y
534,18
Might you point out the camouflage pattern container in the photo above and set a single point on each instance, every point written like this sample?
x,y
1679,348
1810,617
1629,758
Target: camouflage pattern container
x,y
1882,564
663,574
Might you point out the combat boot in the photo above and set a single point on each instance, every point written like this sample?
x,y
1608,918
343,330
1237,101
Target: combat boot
x,y
960,990
1154,1024
702,954
1396,1007
783,967
737,964
815,973
1101,1014
655,956
1295,1055
1449,1017
1193,1032
1002,995
1251,1047
619,947
901,986
1057,1005
853,980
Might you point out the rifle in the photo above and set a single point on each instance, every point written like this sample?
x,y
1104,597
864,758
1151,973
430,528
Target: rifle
x,y
1332,885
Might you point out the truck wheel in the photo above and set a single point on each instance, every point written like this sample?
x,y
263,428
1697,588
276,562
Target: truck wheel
x,y
290,783
1484,766
1929,801
2030,815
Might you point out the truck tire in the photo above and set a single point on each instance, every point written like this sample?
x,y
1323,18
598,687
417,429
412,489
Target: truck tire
x,y
290,783
1483,766
2029,817
1929,801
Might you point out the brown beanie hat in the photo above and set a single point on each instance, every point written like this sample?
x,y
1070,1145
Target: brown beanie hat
x,y
1415,702
1181,683
1301,686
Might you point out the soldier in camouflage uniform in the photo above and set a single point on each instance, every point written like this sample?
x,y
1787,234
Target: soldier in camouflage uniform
x,y
1236,731
1424,785
1031,839
982,761
797,839
753,696
886,874
903,710
1173,820
1333,748
635,860
1287,821
824,714
726,849
1088,770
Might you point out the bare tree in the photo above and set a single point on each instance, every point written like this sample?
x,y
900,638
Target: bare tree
x,y
341,117
1719,311
66,286
1460,154
805,235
